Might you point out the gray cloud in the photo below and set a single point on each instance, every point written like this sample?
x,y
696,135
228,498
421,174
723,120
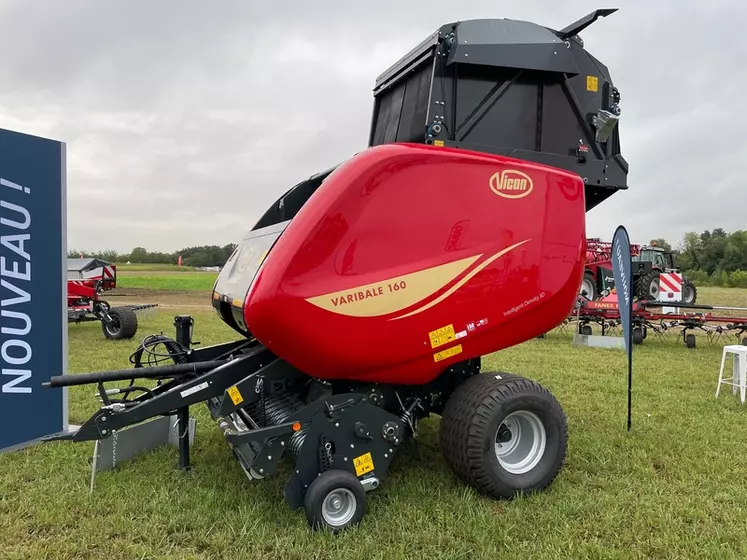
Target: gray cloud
x,y
185,120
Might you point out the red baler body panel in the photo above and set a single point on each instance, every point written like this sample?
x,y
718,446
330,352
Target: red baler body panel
x,y
410,258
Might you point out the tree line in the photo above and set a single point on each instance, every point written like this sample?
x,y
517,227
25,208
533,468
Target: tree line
x,y
713,257
204,255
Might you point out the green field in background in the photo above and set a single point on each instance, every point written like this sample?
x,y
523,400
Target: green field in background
x,y
671,488
193,281
144,267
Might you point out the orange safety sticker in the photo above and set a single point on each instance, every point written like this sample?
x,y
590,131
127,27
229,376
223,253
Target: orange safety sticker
x,y
235,395
363,464
442,336
447,353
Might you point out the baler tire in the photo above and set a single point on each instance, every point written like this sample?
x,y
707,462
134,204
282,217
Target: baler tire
x,y
470,423
127,320
334,481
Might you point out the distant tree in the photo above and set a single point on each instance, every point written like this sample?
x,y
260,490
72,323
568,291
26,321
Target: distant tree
x,y
661,243
691,251
138,255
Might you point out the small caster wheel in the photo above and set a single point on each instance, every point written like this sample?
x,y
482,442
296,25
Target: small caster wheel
x,y
744,342
335,501
690,340
584,329
638,336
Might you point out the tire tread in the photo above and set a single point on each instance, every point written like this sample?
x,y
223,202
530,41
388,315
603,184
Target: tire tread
x,y
468,414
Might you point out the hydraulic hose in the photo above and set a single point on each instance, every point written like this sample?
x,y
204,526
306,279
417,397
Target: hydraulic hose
x,y
132,373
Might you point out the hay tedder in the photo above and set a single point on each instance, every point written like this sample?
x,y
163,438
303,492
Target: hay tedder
x,y
86,280
366,295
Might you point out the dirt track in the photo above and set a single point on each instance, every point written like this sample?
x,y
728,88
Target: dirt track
x,y
168,299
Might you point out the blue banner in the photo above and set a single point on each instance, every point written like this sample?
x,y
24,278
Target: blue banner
x,y
622,270
33,285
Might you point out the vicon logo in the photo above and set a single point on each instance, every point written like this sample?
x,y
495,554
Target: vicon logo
x,y
510,183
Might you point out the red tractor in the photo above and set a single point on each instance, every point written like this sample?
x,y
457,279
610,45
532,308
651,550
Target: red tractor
x,y
86,279
648,262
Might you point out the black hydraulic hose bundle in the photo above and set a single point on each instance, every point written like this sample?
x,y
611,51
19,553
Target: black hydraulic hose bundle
x,y
158,372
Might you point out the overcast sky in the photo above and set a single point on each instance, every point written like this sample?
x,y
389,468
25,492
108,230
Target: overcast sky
x,y
184,120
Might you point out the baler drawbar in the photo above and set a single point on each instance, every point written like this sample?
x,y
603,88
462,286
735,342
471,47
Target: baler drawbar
x,y
367,295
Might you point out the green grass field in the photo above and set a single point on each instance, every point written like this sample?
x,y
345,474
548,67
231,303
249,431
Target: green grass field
x,y
192,281
674,487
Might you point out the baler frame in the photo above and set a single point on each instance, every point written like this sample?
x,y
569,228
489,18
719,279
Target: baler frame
x,y
232,376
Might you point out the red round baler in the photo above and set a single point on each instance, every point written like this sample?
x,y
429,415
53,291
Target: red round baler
x,y
409,259
366,295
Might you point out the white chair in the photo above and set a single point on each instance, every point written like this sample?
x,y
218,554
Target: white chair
x,y
739,370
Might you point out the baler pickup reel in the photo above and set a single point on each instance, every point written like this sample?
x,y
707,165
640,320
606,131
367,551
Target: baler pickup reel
x,y
364,310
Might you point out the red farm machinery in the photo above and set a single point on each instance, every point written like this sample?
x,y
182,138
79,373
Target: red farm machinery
x,y
649,262
365,296
87,278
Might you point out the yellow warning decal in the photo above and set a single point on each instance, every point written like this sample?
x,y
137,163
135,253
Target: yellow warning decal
x,y
363,464
448,353
592,83
442,336
438,143
235,395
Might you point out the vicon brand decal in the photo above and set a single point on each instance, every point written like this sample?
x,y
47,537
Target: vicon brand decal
x,y
510,183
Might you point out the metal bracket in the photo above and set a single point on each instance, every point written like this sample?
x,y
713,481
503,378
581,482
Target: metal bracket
x,y
136,440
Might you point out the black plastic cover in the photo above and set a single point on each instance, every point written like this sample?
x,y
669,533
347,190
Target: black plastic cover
x,y
512,88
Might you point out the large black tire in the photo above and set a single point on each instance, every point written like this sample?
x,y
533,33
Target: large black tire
x,y
648,286
589,285
328,489
124,324
689,292
481,417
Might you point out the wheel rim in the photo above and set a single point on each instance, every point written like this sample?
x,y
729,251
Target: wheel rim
x,y
520,442
586,286
653,288
339,507
114,327
688,294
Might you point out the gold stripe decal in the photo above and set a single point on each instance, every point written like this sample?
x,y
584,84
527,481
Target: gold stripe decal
x,y
394,294
462,282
